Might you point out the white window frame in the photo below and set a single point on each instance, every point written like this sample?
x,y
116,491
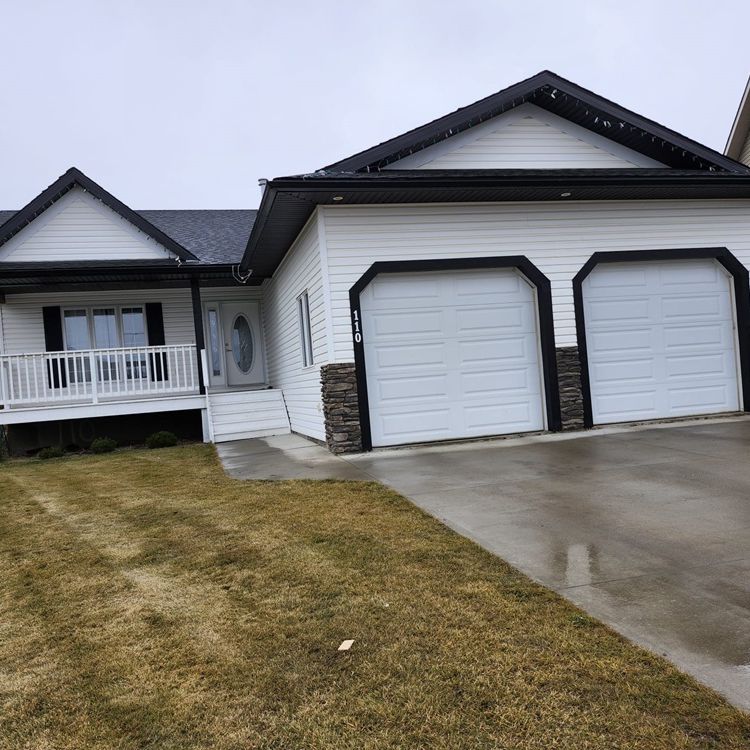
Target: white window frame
x,y
305,329
89,310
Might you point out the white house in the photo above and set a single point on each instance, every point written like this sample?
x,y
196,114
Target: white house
x,y
542,259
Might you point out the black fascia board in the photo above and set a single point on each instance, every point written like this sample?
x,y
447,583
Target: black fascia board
x,y
407,178
547,90
66,182
305,192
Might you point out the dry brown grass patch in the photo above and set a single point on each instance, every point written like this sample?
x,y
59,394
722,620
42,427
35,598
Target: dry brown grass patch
x,y
148,601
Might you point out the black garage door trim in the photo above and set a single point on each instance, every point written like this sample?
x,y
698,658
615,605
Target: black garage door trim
x,y
546,324
721,254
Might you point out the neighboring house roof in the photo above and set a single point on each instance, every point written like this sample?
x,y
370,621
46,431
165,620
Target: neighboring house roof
x,y
561,97
738,135
206,236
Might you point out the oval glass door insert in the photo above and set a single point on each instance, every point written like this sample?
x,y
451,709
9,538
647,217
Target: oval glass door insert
x,y
242,343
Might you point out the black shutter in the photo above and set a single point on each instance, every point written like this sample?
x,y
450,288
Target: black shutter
x,y
53,342
155,328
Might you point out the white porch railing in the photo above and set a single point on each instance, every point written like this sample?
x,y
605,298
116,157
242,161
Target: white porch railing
x,y
94,375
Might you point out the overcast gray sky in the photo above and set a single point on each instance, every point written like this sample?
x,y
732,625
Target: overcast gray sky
x,y
186,103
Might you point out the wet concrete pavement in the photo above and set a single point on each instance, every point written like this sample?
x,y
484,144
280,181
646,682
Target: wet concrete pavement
x,y
646,529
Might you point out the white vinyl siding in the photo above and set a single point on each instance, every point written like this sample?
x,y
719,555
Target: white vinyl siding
x,y
80,227
299,271
23,327
527,137
557,237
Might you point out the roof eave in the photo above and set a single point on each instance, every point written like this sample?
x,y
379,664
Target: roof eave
x,y
313,191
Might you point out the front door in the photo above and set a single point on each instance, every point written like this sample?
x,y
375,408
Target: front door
x,y
235,343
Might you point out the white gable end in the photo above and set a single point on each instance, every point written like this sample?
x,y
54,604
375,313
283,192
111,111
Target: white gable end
x,y
80,227
527,137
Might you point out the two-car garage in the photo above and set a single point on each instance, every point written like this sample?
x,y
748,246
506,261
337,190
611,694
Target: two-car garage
x,y
453,353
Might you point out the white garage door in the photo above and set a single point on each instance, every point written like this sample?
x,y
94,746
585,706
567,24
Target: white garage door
x,y
660,340
451,355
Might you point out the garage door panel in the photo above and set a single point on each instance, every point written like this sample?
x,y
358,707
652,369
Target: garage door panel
x,y
476,373
627,310
683,362
711,397
473,287
696,336
690,276
495,352
479,419
696,365
618,341
419,323
494,384
425,387
407,426
624,277
622,370
686,307
410,357
626,405
501,319
410,290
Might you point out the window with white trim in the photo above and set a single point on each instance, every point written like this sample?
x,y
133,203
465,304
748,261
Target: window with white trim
x,y
105,328
303,313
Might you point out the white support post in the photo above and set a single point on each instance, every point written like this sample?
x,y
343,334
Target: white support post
x,y
94,378
4,385
208,422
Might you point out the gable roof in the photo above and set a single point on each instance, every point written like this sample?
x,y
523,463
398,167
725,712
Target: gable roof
x,y
75,178
208,236
561,97
738,135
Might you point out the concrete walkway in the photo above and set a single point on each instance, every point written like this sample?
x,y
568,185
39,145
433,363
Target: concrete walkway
x,y
647,529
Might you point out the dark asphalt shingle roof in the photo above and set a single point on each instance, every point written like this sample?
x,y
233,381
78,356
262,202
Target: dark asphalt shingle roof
x,y
212,235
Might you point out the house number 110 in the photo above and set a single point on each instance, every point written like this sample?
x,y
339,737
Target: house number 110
x,y
355,323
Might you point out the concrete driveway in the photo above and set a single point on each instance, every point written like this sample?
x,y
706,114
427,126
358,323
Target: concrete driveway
x,y
645,529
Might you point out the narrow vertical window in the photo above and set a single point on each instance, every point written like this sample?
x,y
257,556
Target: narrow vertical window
x,y
303,310
213,335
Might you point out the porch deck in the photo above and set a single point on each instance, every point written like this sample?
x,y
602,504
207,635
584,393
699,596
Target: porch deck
x,y
50,386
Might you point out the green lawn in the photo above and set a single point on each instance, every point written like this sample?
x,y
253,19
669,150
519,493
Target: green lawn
x,y
148,601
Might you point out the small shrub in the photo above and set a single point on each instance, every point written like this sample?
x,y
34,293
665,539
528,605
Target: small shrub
x,y
161,439
51,451
102,445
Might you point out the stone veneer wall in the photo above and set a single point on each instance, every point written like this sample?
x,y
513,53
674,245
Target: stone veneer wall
x,y
569,379
338,383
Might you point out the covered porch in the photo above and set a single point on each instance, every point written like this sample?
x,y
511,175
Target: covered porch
x,y
108,341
